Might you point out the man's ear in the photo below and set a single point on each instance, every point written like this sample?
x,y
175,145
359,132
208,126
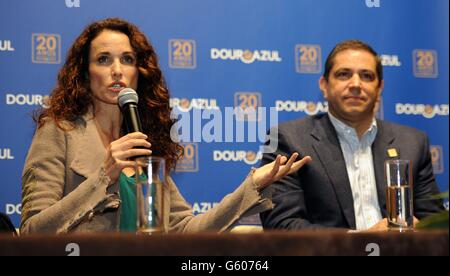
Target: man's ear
x,y
323,85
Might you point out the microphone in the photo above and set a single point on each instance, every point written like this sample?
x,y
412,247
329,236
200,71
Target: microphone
x,y
128,100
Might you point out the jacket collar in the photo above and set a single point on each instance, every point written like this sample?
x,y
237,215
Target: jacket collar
x,y
328,149
90,149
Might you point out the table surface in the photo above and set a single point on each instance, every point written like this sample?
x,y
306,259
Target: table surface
x,y
299,243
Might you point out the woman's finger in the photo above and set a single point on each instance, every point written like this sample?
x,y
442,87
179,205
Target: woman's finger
x,y
128,164
297,165
133,143
286,168
135,152
283,159
276,166
133,135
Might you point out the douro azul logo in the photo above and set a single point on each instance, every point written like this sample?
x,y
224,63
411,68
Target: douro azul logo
x,y
189,161
6,46
437,159
246,105
202,207
182,54
6,154
13,209
246,56
425,63
428,111
46,48
248,157
308,59
310,108
27,99
390,60
186,105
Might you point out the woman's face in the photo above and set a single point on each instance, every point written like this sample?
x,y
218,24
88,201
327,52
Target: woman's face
x,y
112,66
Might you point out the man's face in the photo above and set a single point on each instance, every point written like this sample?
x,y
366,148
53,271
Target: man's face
x,y
353,87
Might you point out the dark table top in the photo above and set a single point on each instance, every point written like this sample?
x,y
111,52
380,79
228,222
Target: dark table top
x,y
229,244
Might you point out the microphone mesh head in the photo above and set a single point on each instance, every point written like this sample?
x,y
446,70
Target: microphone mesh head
x,y
127,95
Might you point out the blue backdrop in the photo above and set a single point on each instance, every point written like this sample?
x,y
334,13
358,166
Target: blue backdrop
x,y
227,53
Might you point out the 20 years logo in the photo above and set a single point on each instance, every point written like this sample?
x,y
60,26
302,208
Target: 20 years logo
x,y
308,58
425,63
189,161
182,54
246,104
46,48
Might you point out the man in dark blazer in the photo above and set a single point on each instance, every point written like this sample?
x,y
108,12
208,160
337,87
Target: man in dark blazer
x,y
344,186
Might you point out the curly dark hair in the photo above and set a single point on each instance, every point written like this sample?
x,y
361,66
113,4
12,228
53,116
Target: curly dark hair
x,y
72,97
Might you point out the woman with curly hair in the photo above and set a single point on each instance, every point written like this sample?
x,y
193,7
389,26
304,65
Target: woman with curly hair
x,y
81,159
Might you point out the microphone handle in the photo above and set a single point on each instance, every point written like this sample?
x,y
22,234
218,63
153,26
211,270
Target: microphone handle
x,y
133,123
132,119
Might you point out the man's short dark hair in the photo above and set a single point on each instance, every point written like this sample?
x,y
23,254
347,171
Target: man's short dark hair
x,y
352,45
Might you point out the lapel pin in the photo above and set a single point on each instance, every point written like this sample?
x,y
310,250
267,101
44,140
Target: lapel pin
x,y
392,152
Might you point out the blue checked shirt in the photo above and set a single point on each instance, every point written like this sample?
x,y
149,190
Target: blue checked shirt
x,y
360,170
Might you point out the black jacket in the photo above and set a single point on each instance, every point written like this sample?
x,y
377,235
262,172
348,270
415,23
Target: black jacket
x,y
319,194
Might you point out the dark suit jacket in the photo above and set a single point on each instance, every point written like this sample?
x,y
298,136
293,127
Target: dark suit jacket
x,y
319,194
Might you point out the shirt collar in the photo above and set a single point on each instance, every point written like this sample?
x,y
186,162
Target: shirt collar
x,y
345,131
